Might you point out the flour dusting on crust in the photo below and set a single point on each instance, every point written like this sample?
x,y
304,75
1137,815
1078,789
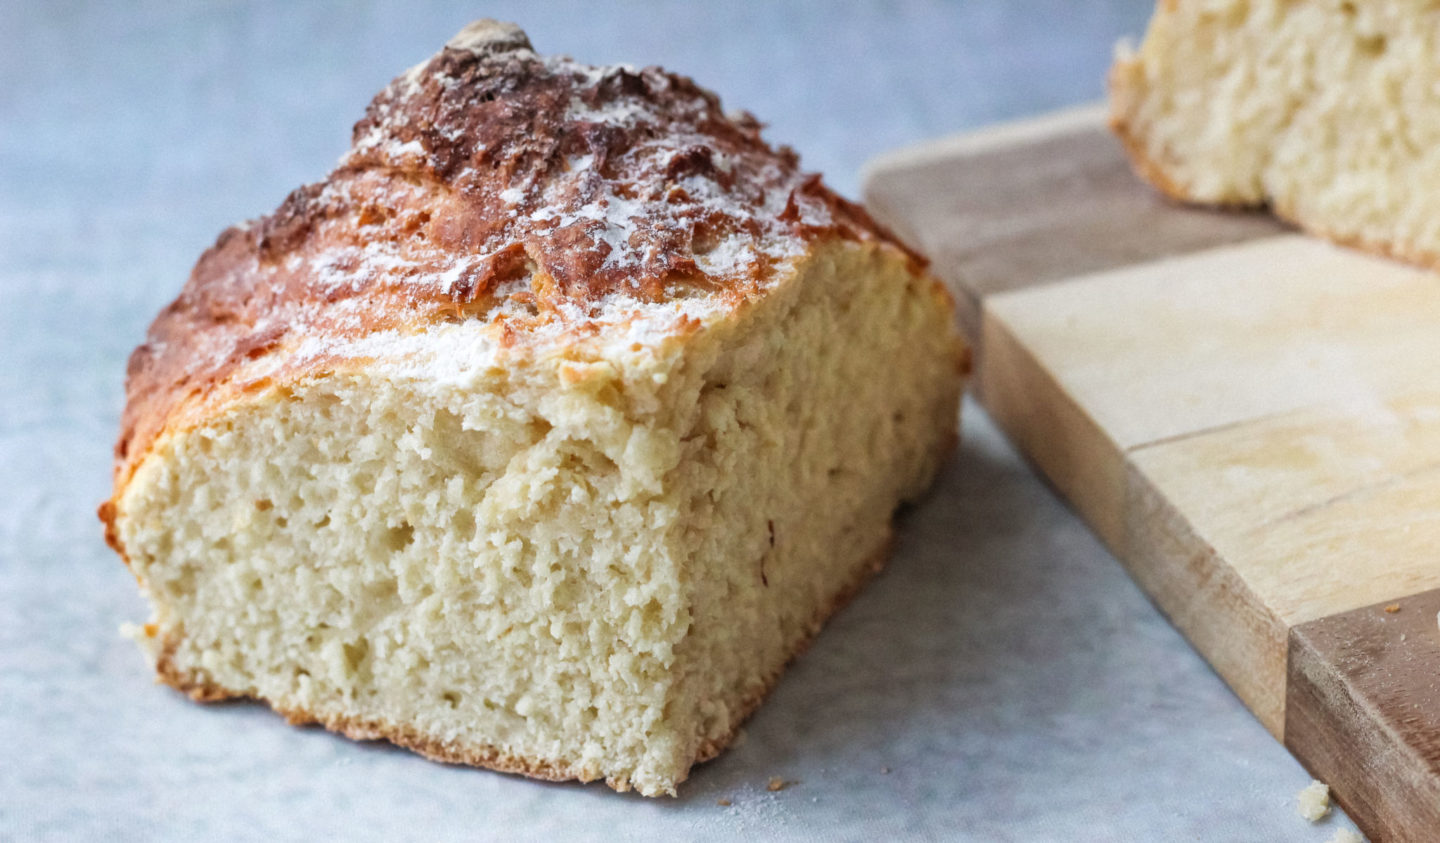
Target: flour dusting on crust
x,y
531,203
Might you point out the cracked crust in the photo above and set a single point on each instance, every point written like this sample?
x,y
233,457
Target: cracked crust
x,y
493,758
488,184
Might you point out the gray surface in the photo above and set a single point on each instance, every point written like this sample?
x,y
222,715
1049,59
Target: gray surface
x,y
1004,669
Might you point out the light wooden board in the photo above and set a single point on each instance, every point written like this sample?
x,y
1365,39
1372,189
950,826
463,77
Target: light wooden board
x,y
1248,417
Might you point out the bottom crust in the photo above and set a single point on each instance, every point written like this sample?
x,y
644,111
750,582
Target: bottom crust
x,y
489,757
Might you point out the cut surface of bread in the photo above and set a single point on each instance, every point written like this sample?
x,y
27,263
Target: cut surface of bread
x,y
541,435
1325,109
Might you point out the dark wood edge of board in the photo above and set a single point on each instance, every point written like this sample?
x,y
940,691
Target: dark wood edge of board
x,y
1362,713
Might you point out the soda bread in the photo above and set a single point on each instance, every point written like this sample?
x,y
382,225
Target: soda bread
x,y
1324,109
540,435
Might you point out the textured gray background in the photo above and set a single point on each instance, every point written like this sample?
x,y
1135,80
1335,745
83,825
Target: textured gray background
x,y
1013,681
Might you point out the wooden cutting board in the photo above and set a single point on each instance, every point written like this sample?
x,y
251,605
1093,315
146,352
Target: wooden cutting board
x,y
1248,417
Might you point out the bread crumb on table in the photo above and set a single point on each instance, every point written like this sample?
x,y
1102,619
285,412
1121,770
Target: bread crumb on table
x,y
723,803
1313,801
776,784
1345,835
1392,608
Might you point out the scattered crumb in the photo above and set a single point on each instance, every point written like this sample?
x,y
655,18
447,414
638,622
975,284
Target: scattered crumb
x,y
1392,608
1313,802
1345,835
885,771
723,803
777,783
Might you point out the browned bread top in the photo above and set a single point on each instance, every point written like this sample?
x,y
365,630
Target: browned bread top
x,y
533,195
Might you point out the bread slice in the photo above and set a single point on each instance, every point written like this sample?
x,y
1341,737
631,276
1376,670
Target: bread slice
x,y
1324,109
540,435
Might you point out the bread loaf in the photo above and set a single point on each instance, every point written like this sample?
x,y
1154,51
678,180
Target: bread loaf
x,y
540,435
1326,110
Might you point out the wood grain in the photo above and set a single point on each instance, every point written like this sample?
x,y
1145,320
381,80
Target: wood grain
x,y
1248,417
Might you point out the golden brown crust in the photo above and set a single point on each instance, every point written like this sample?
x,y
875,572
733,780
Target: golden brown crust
x,y
490,184
489,757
